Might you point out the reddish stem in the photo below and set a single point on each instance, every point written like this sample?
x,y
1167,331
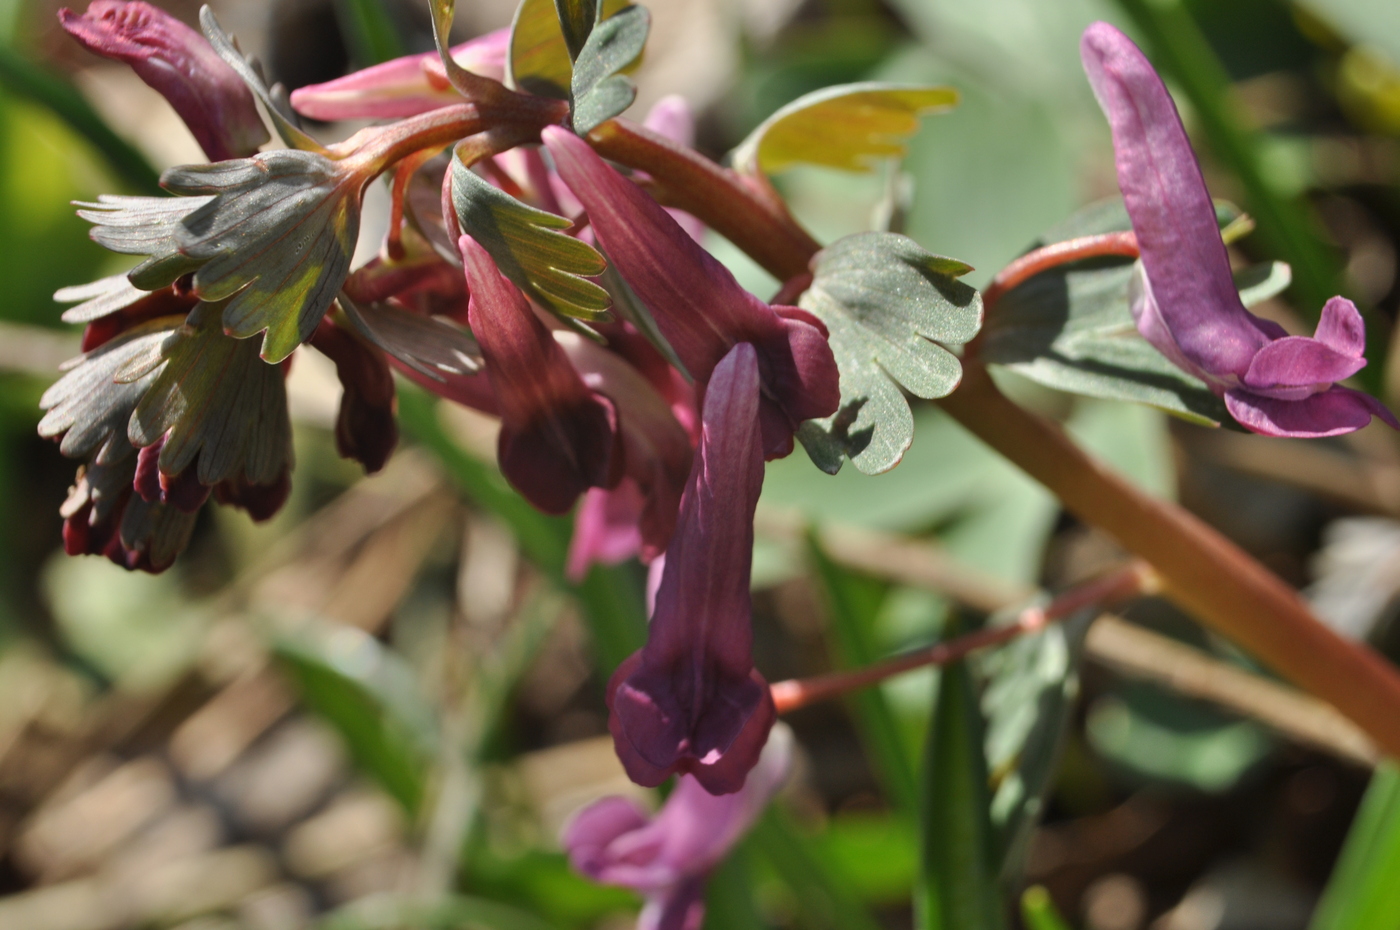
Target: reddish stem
x,y
1059,253
1129,582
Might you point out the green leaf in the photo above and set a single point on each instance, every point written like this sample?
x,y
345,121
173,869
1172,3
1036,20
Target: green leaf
x,y
1361,893
25,79
958,888
851,127
540,62
576,19
147,226
599,90
1258,283
282,118
1038,911
1029,690
368,693
526,245
426,344
216,403
853,602
891,307
1071,329
275,241
391,912
99,298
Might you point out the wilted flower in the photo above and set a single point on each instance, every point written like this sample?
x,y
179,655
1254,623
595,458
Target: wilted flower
x,y
404,86
181,64
690,701
1184,301
667,858
699,307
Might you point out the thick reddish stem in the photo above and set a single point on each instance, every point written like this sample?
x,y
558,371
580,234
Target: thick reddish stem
x,y
1122,244
1115,588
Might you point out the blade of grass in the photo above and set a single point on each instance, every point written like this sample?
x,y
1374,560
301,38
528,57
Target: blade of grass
x,y
369,30
852,602
826,901
25,79
1038,911
1362,893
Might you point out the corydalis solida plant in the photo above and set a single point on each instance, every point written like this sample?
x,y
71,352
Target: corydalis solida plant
x,y
489,291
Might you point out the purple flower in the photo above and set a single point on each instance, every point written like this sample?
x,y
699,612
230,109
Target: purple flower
x,y
1184,299
691,701
404,86
699,307
667,858
557,438
181,64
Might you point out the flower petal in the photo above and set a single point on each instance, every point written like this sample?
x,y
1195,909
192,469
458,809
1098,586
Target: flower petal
x,y
179,63
1341,327
691,701
1333,412
557,438
1299,362
1172,212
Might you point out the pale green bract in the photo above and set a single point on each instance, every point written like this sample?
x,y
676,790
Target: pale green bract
x,y
600,90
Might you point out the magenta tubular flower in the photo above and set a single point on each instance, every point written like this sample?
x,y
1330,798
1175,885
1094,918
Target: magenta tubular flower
x,y
691,701
404,86
181,64
1184,301
557,438
667,858
699,307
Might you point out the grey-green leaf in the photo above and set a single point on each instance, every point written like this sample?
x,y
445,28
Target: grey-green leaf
x,y
275,241
528,247
99,298
576,19
227,49
147,226
425,344
214,399
891,308
600,91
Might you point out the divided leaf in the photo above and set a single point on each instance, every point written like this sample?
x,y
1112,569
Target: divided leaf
x,y
425,344
227,49
599,90
850,127
540,62
212,397
99,298
144,226
1071,328
275,241
891,307
526,245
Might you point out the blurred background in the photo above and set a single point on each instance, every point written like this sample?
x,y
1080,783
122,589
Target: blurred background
x,y
389,693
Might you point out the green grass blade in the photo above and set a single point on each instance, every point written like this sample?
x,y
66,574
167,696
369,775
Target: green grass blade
x,y
852,602
1038,911
959,889
25,79
369,31
826,901
1362,894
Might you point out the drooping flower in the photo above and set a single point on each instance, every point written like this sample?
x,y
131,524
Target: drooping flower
x,y
1184,299
698,306
668,857
404,86
365,427
691,701
179,63
557,438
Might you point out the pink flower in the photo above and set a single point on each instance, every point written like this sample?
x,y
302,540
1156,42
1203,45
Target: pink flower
x,y
1184,301
181,64
690,701
405,86
667,858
